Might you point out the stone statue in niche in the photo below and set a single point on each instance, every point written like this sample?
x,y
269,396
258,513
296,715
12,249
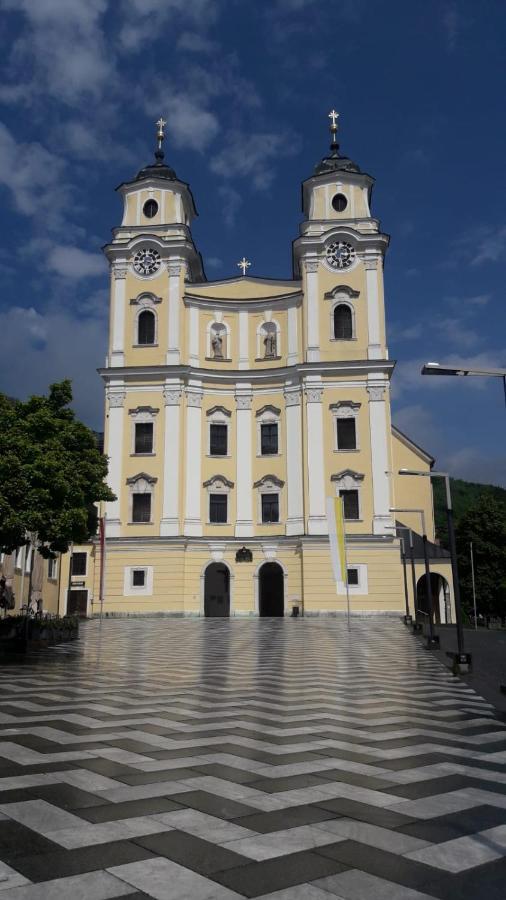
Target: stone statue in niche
x,y
217,345
270,345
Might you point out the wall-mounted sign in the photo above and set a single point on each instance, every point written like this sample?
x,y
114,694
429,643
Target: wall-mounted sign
x,y
77,584
244,555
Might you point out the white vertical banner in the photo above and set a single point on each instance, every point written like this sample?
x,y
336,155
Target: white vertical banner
x,y
337,541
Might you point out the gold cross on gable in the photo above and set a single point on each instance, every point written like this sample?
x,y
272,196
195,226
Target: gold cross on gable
x,y
244,264
333,115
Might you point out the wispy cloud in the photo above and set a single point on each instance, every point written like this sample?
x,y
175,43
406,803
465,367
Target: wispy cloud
x,y
252,156
477,245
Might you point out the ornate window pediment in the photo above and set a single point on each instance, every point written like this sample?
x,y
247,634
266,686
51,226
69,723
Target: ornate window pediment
x,y
145,299
218,410
347,479
345,408
141,480
341,290
269,482
141,411
268,408
218,482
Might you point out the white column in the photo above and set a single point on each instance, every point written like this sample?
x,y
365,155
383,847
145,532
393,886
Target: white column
x,y
173,338
116,399
293,346
244,477
317,522
243,340
382,518
193,461
293,414
171,460
313,325
193,320
374,350
119,274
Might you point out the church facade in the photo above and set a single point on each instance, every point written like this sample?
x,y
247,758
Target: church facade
x,y
234,408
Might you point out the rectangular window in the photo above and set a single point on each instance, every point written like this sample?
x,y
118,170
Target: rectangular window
x,y
138,577
346,434
218,440
353,577
141,507
143,437
51,568
270,508
218,508
78,564
350,504
269,439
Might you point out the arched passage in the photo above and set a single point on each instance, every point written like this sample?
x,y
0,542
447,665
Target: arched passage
x,y
271,590
217,590
440,597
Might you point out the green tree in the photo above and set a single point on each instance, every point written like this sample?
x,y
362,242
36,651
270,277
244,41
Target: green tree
x,y
51,473
485,525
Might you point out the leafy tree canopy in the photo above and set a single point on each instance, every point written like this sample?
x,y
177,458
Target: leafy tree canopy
x,y
51,473
484,524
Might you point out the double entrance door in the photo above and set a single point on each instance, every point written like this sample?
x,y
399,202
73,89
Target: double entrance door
x,y
270,590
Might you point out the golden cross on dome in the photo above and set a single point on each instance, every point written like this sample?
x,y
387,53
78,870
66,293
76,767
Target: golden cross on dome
x,y
333,116
160,133
244,264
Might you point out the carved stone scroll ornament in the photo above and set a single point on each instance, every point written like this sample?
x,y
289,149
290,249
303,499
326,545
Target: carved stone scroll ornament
x,y
174,268
194,399
292,398
116,399
311,265
119,271
376,392
314,395
172,396
243,401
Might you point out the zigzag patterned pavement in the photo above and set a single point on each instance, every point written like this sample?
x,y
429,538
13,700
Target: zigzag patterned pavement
x,y
278,759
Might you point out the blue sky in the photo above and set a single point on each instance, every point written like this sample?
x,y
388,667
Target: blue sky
x,y
246,89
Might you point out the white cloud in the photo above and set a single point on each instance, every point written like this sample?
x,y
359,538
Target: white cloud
x,y
472,464
74,263
24,166
417,423
408,375
63,50
39,348
144,18
252,156
214,262
193,42
230,203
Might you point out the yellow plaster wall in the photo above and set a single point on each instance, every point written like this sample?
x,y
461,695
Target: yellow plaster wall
x,y
356,348
412,492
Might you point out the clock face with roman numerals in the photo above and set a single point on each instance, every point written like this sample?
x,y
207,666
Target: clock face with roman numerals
x,y
147,261
340,255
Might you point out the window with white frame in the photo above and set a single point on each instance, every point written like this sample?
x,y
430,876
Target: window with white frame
x,y
28,558
146,328
345,415
357,580
218,421
342,312
218,490
138,580
348,485
269,499
143,430
268,340
268,422
141,498
52,568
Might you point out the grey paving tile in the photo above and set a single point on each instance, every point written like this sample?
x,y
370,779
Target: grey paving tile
x,y
63,863
276,874
357,885
163,879
281,843
372,835
90,886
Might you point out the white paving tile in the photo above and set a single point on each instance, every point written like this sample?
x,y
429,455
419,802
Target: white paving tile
x,y
97,885
280,843
460,854
373,835
41,816
166,880
200,824
357,885
103,833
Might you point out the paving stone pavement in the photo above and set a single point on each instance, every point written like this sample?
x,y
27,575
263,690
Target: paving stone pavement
x,y
278,759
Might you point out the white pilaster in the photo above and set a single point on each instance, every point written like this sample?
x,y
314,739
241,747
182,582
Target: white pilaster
x,y
169,524
116,399
374,350
193,457
293,414
244,479
193,317
243,340
382,518
317,521
119,273
293,346
173,338
313,325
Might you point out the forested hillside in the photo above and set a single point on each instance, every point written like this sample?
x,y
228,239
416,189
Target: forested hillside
x,y
465,494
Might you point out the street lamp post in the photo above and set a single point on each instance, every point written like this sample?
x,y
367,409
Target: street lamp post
x,y
407,617
434,368
462,661
416,625
433,638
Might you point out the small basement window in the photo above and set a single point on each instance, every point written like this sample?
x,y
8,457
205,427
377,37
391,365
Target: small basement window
x,y
138,577
353,577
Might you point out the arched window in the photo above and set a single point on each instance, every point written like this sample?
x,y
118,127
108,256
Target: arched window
x,y
343,322
146,327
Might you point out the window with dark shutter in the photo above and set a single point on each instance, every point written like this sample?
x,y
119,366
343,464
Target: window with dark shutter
x,y
269,439
143,437
353,577
270,508
218,440
346,434
141,507
79,564
138,577
146,327
218,508
343,322
350,504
